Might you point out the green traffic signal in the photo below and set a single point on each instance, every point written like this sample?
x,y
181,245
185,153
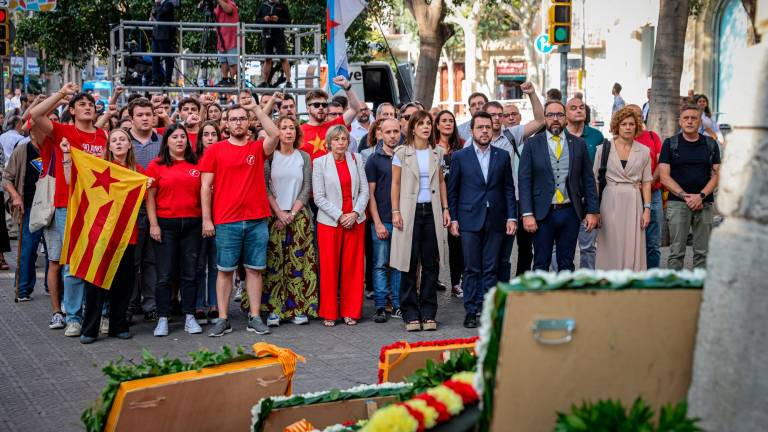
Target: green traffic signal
x,y
562,35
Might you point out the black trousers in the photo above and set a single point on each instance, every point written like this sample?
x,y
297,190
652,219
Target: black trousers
x,y
421,305
160,75
455,259
119,296
368,256
524,249
178,249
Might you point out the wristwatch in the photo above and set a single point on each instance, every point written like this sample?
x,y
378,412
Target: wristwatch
x,y
647,206
702,195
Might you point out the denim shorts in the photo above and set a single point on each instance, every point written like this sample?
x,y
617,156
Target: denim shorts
x,y
54,234
228,60
244,241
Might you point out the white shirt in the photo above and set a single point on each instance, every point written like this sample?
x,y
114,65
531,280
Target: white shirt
x,y
465,132
422,159
358,131
9,141
287,178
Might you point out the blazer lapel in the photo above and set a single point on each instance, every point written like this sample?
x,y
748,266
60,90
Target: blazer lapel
x,y
410,153
544,153
434,163
352,166
492,163
332,172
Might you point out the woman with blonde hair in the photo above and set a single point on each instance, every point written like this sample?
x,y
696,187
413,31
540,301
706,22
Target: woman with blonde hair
x,y
420,217
623,172
340,191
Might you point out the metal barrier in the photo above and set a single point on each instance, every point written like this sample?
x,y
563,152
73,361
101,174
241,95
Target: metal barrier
x,y
124,53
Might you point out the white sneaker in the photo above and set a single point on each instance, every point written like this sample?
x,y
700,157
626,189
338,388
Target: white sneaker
x,y
300,320
273,320
57,321
162,327
191,326
73,329
239,292
104,326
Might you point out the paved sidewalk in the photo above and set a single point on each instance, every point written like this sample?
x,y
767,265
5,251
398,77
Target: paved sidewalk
x,y
47,380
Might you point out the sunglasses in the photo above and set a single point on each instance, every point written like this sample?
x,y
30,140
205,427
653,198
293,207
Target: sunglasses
x,y
318,105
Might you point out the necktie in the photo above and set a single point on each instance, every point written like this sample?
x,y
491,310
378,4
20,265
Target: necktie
x,y
558,152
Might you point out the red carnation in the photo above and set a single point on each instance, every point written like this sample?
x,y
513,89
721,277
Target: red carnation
x,y
417,415
442,411
466,391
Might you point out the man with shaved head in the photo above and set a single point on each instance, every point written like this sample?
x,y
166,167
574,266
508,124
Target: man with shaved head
x,y
576,114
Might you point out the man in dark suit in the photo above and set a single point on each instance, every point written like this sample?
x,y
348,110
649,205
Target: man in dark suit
x,y
481,200
163,39
557,190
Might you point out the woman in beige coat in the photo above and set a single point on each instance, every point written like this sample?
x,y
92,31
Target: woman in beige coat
x,y
420,217
625,209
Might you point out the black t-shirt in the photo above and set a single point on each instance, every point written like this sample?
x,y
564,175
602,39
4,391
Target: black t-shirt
x,y
31,174
691,169
378,169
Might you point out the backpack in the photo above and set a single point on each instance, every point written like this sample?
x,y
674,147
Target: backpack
x,y
602,182
511,138
674,145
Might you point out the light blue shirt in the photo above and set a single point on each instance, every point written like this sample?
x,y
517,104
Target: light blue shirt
x,y
484,157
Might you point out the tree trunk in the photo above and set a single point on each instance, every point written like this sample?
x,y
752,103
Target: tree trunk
x,y
433,33
729,391
450,78
668,67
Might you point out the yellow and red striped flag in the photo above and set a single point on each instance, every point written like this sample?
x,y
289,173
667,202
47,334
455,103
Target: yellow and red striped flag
x,y
103,205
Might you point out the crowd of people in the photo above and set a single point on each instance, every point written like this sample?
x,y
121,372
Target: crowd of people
x,y
296,219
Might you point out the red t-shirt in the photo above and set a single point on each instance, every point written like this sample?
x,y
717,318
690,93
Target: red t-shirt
x,y
241,193
653,142
314,137
345,181
92,143
228,35
178,189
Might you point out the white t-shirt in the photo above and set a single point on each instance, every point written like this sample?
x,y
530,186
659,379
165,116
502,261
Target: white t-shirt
x,y
422,159
287,177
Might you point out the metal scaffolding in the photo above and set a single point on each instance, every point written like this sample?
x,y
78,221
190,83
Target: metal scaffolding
x,y
125,52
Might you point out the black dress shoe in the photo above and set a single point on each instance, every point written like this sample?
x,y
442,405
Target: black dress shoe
x,y
470,321
440,287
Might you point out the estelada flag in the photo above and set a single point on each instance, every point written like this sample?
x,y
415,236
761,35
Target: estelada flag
x,y
103,205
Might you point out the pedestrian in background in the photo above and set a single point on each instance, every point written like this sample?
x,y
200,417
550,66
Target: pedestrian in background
x,y
340,191
625,202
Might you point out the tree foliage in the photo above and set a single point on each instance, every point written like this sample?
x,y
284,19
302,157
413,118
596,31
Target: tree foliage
x,y
78,29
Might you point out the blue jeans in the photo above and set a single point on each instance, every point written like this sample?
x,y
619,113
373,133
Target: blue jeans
x,y
74,288
244,241
380,269
653,232
30,241
206,274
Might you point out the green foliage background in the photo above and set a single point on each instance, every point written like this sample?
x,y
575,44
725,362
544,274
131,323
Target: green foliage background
x,y
78,29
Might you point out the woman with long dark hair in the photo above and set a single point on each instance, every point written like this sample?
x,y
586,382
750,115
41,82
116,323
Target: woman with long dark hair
x,y
206,307
174,212
447,137
419,217
708,124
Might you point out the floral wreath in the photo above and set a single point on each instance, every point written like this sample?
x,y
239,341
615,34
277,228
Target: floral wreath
x,y
421,344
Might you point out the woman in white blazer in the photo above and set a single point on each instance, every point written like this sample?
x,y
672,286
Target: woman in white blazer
x,y
341,195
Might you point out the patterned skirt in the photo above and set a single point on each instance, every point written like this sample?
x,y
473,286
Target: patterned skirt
x,y
290,280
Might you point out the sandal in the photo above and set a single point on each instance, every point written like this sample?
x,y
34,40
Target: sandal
x,y
430,325
329,323
413,326
349,321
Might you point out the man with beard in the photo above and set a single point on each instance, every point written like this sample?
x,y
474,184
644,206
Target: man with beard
x,y
361,125
315,129
557,190
238,217
81,135
481,201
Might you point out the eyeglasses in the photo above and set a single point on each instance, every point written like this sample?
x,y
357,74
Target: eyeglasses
x,y
499,115
554,115
237,119
318,105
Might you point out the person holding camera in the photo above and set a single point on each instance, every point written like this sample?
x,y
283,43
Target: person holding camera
x,y
274,12
163,38
226,13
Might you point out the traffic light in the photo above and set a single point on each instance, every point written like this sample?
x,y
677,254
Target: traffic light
x,y
5,33
560,22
